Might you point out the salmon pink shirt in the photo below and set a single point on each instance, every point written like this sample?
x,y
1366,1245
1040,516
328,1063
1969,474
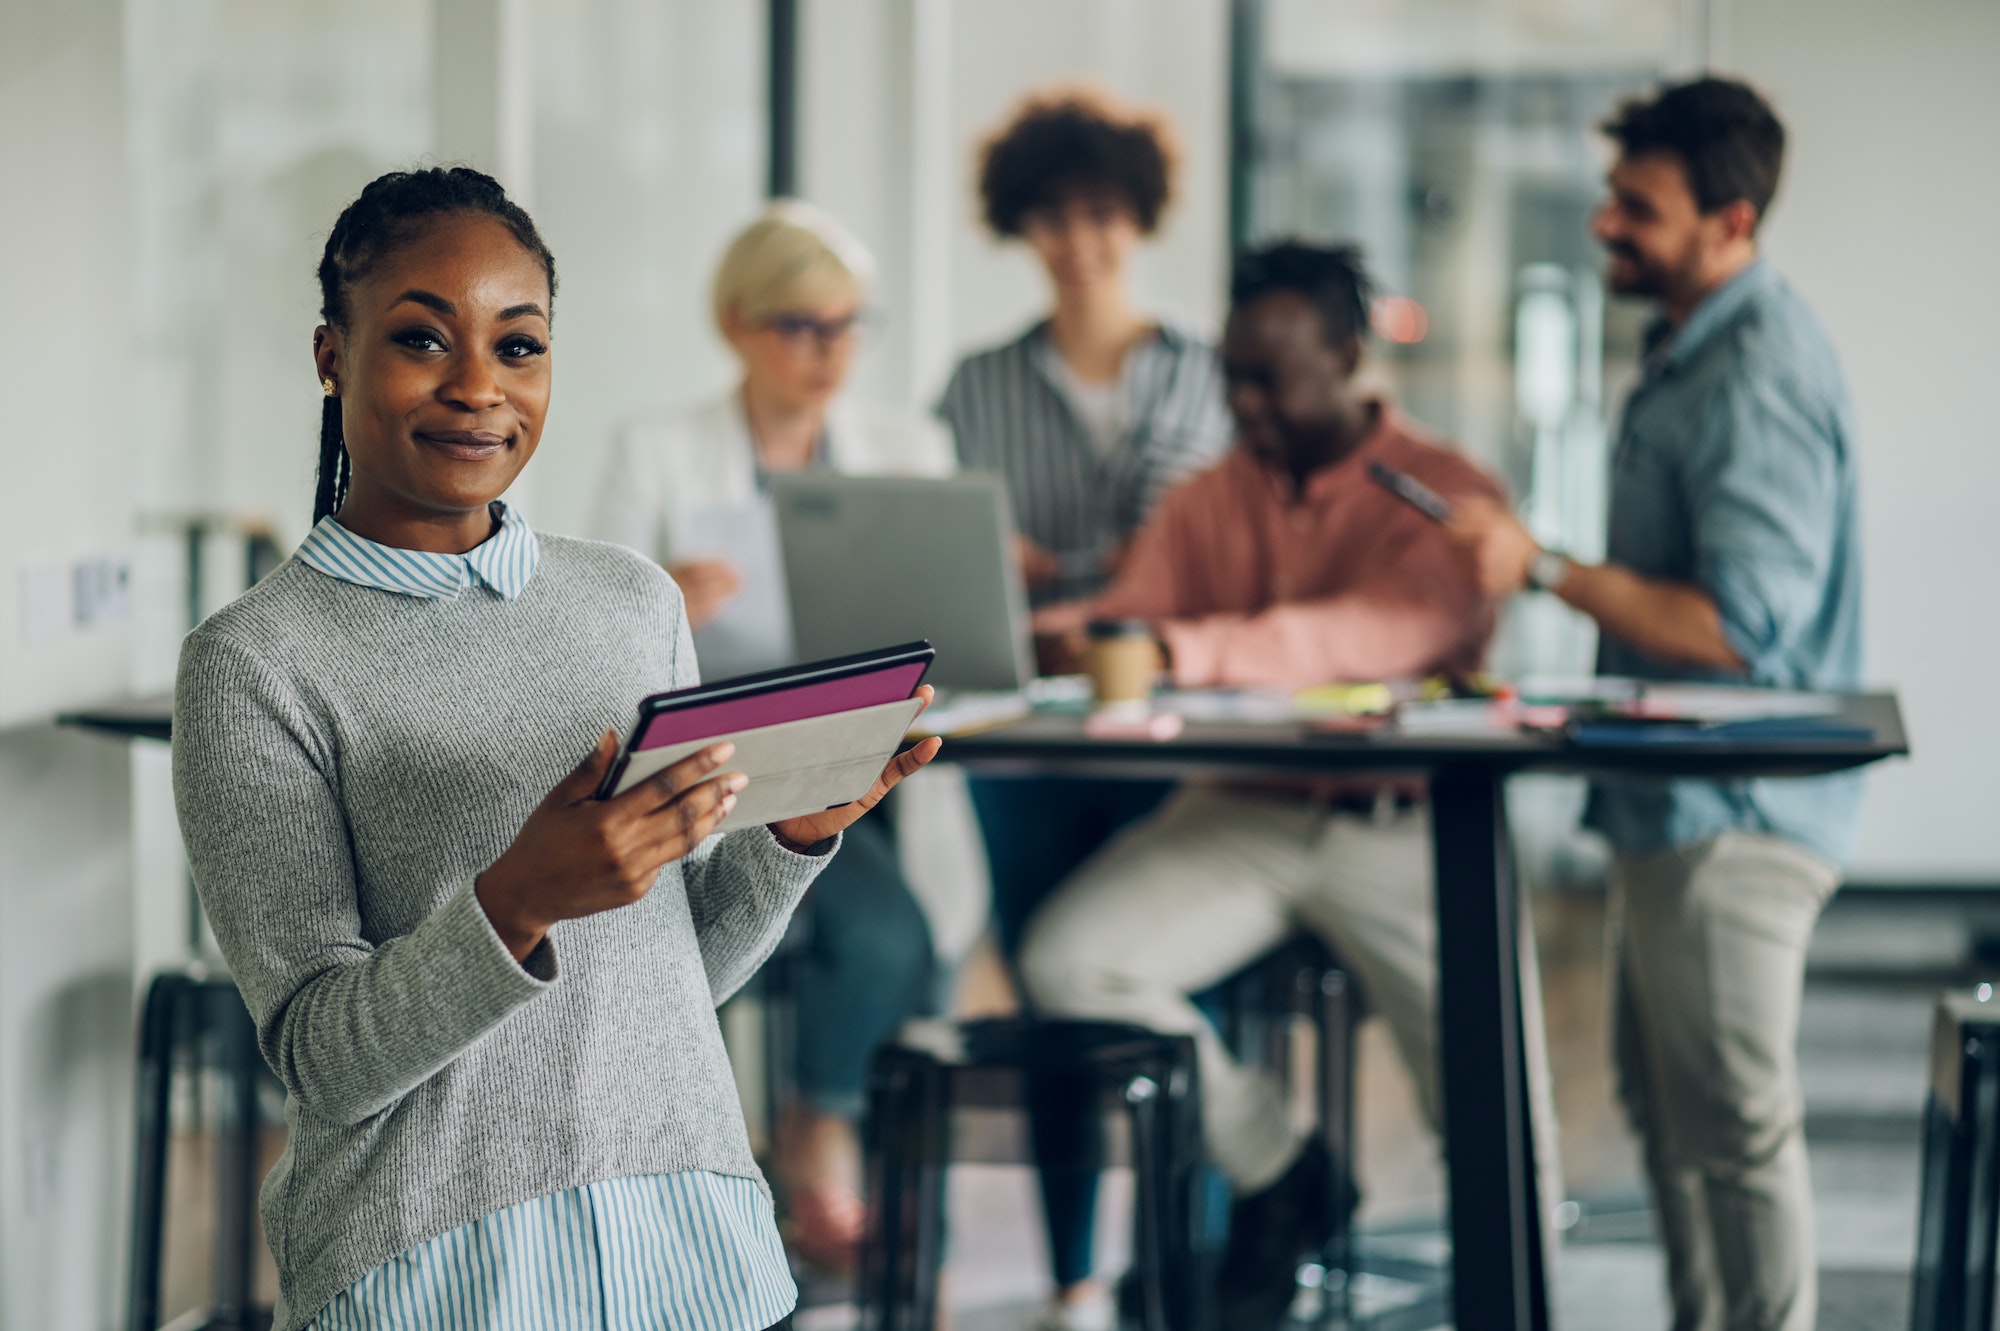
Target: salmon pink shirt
x,y
1250,586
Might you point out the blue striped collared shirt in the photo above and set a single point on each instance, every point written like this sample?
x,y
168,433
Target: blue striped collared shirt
x,y
503,562
698,1250
694,1250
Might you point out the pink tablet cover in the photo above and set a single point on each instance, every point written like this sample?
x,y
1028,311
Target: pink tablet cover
x,y
781,705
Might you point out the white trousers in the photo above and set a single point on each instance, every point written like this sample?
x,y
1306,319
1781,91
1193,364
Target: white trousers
x,y
1217,878
1710,942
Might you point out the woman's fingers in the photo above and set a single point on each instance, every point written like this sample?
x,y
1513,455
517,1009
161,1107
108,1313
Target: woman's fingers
x,y
900,766
583,780
660,789
685,822
909,760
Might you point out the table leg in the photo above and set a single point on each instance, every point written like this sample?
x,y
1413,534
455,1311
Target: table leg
x,y
1498,1271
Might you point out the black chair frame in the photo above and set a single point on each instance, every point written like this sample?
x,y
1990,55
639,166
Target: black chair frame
x,y
913,1090
193,1024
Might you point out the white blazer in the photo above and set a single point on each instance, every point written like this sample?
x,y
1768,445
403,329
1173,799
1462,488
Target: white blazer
x,y
666,466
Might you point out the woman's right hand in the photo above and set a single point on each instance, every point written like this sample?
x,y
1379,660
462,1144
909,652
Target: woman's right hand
x,y
578,856
707,586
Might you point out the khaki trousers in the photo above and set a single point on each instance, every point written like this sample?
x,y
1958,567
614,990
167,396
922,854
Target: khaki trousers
x,y
1709,943
1214,880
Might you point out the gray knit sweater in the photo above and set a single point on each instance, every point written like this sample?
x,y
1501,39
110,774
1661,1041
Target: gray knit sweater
x,y
346,760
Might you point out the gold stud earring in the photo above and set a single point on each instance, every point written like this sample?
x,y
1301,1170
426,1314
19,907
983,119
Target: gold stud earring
x,y
326,386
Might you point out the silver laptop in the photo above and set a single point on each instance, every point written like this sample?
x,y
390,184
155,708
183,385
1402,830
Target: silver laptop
x,y
883,559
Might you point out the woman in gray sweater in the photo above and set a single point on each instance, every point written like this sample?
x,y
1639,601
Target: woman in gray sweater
x,y
490,997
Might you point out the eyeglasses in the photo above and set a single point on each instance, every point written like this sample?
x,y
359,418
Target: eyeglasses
x,y
799,329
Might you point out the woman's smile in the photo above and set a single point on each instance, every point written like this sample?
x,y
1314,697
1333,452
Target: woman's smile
x,y
464,445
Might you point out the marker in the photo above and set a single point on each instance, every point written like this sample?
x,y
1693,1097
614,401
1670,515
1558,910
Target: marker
x,y
1411,491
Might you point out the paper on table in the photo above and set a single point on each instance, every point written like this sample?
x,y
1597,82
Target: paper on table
x,y
1641,699
1224,706
959,713
1275,706
1459,718
754,630
1713,704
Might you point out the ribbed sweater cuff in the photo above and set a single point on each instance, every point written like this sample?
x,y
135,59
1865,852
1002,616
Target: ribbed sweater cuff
x,y
491,976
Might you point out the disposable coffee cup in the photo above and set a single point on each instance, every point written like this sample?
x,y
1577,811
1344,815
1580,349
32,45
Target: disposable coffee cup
x,y
1123,660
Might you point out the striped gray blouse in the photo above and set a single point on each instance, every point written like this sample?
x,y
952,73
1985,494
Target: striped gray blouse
x,y
1011,418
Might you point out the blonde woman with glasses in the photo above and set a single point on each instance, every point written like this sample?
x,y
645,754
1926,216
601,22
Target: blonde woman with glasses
x,y
689,490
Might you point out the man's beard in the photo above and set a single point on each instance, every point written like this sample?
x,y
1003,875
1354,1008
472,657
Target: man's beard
x,y
1637,275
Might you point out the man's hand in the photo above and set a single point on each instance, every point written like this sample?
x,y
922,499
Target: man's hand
x,y
1670,621
707,585
1039,567
1498,547
801,834
1061,643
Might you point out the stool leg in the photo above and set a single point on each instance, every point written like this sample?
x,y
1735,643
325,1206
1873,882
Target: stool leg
x,y
932,1133
882,1290
238,1064
166,1002
1982,1221
1337,1020
1152,1190
1181,1165
873,1271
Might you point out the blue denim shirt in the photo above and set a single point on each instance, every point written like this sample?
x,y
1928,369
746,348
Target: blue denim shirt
x,y
1734,470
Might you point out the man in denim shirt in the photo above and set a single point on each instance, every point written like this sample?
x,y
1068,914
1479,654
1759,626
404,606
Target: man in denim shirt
x,y
1732,557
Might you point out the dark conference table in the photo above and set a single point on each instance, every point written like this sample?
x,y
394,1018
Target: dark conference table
x,y
1498,1268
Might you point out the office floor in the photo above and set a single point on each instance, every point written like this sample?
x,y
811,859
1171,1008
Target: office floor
x,y
1863,1048
1863,1051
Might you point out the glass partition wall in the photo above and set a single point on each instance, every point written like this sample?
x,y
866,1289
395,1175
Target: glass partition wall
x,y
1455,142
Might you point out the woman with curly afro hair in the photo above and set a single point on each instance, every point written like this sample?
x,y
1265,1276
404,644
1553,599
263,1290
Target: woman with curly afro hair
x,y
1089,415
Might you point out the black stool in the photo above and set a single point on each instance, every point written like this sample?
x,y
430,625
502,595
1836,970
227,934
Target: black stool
x,y
1958,1215
935,1067
195,1027
1304,979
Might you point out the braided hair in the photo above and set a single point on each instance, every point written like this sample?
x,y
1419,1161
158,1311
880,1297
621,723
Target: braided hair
x,y
391,211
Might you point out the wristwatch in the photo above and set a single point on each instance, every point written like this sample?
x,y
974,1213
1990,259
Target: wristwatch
x,y
1547,570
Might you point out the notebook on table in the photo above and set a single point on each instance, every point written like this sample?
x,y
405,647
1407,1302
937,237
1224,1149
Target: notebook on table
x,y
809,737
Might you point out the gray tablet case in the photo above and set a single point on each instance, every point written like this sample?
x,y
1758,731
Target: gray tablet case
x,y
798,767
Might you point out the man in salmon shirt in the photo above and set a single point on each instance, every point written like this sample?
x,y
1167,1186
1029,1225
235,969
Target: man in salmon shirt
x,y
1281,566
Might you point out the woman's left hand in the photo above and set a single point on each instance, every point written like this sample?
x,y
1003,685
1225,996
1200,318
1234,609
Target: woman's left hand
x,y
799,834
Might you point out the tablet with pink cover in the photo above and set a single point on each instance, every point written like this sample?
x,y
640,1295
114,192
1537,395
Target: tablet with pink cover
x,y
687,719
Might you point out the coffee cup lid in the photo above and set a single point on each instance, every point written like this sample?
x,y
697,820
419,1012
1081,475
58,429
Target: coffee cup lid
x,y
1120,628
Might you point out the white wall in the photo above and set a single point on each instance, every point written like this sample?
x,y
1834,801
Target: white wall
x,y
64,472
66,984
66,1029
1885,222
648,155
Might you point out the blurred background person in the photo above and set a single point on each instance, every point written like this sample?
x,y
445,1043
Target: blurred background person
x,y
688,489
1089,415
1284,566
1733,557
687,486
